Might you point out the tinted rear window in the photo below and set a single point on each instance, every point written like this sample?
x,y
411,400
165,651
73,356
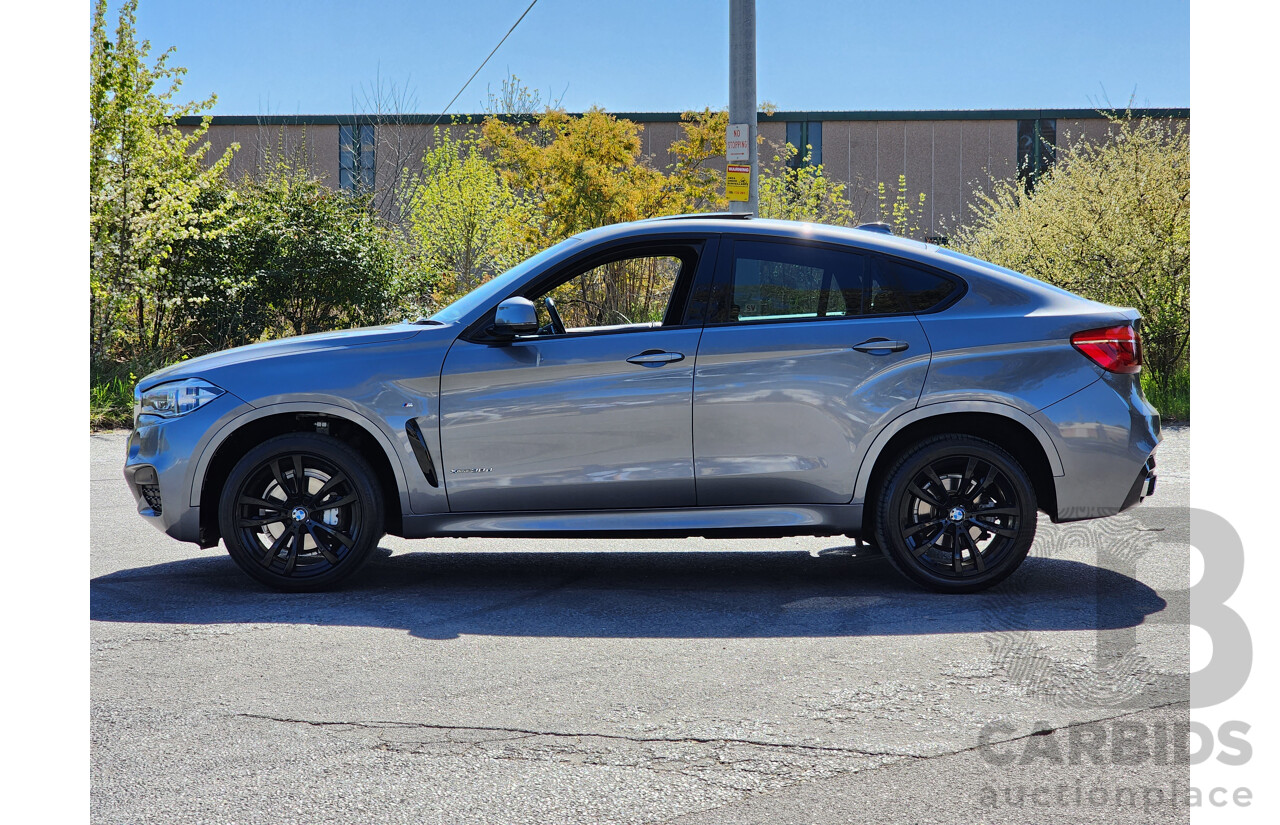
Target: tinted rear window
x,y
782,281
920,290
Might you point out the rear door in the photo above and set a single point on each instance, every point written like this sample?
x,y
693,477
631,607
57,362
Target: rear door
x,y
809,349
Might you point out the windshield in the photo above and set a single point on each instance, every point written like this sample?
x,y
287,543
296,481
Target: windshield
x,y
482,294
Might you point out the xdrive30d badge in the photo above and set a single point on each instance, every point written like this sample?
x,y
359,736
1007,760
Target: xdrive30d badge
x,y
698,376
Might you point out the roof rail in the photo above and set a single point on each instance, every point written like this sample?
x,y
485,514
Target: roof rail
x,y
738,215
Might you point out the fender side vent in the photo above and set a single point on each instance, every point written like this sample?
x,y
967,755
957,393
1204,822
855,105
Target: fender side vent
x,y
420,452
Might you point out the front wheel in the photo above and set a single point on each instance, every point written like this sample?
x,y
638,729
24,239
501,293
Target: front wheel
x,y
301,512
956,514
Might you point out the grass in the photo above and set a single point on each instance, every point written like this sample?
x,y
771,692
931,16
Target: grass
x,y
1174,401
111,386
110,403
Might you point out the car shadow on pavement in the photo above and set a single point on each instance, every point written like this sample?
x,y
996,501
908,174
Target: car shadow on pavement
x,y
842,591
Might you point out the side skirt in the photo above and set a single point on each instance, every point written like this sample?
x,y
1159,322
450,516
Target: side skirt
x,y
712,522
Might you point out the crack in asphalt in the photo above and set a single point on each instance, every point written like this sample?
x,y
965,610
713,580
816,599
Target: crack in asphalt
x,y
918,757
523,733
642,740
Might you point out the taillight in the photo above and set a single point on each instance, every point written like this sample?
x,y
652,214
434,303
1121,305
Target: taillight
x,y
1115,349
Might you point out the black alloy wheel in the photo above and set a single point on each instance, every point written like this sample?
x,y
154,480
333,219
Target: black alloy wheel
x,y
301,512
956,514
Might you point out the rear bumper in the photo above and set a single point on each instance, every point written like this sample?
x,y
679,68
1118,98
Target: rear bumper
x,y
1106,435
1144,485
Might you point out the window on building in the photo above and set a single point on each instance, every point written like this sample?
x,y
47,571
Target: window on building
x,y
355,158
802,134
1037,149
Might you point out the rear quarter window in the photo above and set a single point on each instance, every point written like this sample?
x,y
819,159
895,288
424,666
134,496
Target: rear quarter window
x,y
919,289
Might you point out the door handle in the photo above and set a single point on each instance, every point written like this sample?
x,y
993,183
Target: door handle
x,y
881,346
655,358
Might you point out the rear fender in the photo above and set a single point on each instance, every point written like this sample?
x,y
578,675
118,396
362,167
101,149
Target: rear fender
x,y
876,448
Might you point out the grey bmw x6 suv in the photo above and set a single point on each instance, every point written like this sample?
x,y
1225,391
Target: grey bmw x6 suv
x,y
699,376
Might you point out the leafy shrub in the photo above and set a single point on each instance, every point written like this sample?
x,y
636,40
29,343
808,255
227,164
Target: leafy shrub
x,y
319,259
1111,221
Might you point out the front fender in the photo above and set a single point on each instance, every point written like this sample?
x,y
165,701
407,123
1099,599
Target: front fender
x,y
389,444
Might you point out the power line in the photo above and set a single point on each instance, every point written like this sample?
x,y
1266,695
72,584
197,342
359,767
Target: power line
x,y
486,60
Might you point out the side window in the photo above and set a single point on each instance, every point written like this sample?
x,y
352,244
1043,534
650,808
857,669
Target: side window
x,y
628,292
921,290
777,281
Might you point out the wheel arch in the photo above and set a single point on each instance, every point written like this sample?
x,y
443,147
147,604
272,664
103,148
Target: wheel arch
x,y
256,426
1005,425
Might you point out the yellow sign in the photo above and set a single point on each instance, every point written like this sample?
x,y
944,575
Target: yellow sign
x,y
738,182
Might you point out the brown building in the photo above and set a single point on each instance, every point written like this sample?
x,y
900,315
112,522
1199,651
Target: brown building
x,y
947,155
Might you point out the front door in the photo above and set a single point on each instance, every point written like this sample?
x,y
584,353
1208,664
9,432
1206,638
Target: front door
x,y
594,411
808,351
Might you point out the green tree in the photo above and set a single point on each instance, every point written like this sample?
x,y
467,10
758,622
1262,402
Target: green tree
x,y
150,187
571,174
218,304
1111,221
462,220
693,185
587,174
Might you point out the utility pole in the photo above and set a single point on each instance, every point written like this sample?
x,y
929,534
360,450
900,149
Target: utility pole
x,y
742,90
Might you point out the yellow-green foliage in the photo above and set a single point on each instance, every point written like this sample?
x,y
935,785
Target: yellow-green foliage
x,y
695,184
463,219
900,213
575,173
1111,221
561,175
801,192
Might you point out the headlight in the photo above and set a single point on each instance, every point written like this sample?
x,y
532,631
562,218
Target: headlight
x,y
177,397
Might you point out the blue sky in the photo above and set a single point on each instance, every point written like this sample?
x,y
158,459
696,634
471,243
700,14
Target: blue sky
x,y
318,57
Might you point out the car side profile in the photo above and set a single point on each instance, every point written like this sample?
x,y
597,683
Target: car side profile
x,y
689,376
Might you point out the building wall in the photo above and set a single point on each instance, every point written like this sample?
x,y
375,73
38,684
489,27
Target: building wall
x,y
315,145
951,158
945,160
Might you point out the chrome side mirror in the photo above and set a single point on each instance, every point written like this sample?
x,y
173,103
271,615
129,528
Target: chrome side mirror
x,y
515,316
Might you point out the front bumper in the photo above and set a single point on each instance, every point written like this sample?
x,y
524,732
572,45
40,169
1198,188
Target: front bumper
x,y
160,462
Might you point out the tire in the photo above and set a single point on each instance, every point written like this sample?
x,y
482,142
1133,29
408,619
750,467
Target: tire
x,y
282,534
956,514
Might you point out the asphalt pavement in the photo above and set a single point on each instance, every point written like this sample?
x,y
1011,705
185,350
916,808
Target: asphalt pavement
x,y
642,681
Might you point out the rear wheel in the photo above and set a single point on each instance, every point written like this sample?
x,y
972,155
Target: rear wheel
x,y
956,514
301,512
